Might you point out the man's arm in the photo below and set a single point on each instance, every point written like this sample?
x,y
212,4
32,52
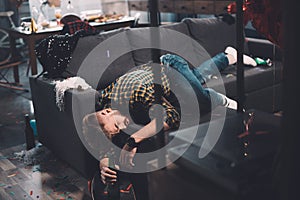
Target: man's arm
x,y
171,120
148,131
128,153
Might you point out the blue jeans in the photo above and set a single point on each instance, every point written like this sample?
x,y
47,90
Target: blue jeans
x,y
199,75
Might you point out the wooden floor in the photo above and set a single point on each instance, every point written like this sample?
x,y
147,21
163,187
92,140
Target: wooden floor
x,y
45,179
48,178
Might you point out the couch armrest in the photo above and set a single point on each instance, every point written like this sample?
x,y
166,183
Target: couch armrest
x,y
263,48
57,129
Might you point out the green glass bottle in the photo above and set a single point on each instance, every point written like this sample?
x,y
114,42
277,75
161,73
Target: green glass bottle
x,y
113,189
261,61
29,135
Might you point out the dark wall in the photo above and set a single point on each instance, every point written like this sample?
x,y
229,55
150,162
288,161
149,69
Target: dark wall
x,y
287,169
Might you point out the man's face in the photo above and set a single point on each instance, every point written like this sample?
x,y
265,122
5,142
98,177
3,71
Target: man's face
x,y
111,121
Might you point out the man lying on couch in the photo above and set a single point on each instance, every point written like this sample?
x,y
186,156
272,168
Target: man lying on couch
x,y
130,99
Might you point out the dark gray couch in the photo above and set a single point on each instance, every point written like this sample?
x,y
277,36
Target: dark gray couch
x,y
122,49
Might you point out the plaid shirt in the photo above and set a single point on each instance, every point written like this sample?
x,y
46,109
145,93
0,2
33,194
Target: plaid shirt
x,y
137,88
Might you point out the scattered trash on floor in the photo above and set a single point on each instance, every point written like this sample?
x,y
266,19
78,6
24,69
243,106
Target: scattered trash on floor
x,y
3,157
41,164
12,193
2,184
11,175
36,168
31,157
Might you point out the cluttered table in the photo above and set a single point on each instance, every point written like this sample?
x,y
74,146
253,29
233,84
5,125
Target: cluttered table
x,y
31,37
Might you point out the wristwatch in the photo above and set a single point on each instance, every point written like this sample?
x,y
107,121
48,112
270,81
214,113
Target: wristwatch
x,y
131,142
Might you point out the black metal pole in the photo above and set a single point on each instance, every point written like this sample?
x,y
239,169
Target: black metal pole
x,y
240,52
153,11
155,41
154,22
155,52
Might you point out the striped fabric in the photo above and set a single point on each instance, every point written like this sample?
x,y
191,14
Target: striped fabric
x,y
72,27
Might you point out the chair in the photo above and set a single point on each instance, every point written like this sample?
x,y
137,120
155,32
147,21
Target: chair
x,y
4,67
5,54
6,57
136,20
7,60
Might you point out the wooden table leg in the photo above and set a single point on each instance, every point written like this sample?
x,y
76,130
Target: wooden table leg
x,y
13,51
32,57
16,74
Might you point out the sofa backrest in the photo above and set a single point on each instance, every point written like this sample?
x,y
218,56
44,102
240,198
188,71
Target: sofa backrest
x,y
89,63
195,39
212,33
203,38
142,46
173,38
136,41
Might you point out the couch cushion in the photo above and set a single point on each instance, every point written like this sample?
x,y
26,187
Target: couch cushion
x,y
140,38
84,46
255,79
173,38
212,33
114,57
184,44
178,26
139,42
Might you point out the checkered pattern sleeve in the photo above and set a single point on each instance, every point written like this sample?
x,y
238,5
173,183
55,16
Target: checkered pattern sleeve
x,y
171,117
145,95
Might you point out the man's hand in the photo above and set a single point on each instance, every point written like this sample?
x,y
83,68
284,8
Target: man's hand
x,y
107,175
127,155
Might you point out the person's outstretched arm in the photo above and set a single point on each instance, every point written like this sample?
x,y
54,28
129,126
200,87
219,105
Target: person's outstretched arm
x,y
128,153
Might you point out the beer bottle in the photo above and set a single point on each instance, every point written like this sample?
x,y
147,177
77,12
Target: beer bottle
x,y
29,135
113,189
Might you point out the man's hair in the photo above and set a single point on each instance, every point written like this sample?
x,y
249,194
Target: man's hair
x,y
96,138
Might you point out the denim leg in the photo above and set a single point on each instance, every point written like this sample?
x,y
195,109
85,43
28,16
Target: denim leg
x,y
209,68
207,94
